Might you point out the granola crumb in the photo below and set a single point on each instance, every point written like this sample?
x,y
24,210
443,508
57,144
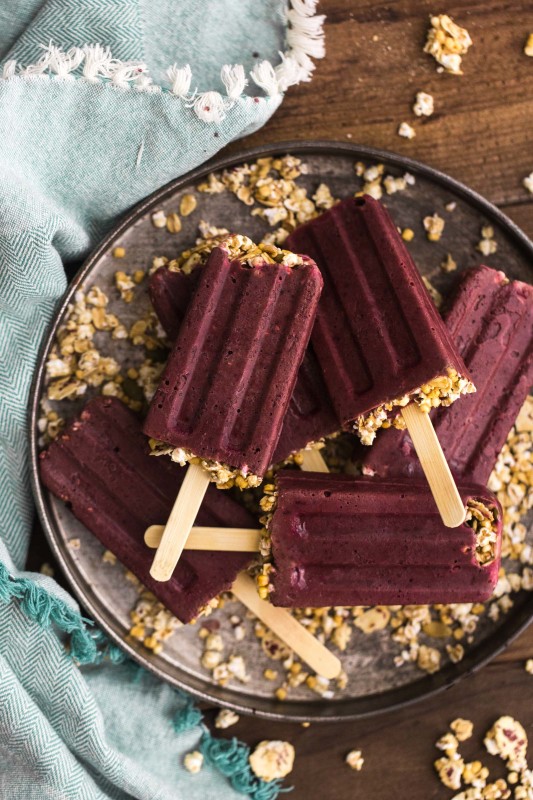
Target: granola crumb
x,y
355,760
173,223
118,252
424,104
448,264
462,728
447,42
193,762
487,244
109,558
528,183
272,760
529,666
406,131
74,544
408,234
451,206
159,219
528,47
434,226
187,205
226,718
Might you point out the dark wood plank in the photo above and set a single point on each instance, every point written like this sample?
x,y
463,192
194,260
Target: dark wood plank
x,y
481,132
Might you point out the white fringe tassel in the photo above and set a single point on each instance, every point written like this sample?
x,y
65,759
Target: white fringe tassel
x,y
305,39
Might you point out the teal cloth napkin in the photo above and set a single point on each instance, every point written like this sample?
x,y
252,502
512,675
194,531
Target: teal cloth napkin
x,y
101,102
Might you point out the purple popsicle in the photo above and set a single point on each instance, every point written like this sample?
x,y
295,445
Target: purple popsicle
x,y
378,337
310,415
102,469
491,321
343,541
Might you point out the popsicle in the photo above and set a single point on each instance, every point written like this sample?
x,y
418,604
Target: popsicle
x,y
229,379
384,351
102,469
310,416
491,321
337,540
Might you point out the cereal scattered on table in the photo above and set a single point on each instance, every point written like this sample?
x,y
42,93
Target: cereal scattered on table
x,y
406,131
272,760
424,104
355,760
447,42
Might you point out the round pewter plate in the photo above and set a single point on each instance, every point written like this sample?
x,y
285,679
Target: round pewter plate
x,y
375,684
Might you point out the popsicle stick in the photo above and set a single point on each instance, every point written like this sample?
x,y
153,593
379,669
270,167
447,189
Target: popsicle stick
x,y
435,466
287,628
239,540
180,522
313,461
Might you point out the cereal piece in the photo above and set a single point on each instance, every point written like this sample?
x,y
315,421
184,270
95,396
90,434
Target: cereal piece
x,y
408,234
424,104
272,760
449,771
159,219
448,264
118,252
429,660
173,223
528,47
507,739
355,760
109,558
187,204
447,42
451,206
125,285
323,197
74,544
375,619
406,131
434,227
529,666
462,728
193,762
226,718
528,182
211,659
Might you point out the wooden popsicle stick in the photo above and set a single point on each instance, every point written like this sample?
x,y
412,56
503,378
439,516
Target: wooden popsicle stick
x,y
313,461
435,466
287,628
239,540
180,522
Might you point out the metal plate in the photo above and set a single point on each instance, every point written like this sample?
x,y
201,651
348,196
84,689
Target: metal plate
x,y
375,684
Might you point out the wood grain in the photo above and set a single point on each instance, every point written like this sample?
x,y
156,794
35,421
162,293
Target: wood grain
x,y
482,134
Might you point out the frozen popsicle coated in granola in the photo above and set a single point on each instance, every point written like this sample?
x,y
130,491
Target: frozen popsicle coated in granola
x,y
101,467
310,415
491,321
230,376
378,337
336,540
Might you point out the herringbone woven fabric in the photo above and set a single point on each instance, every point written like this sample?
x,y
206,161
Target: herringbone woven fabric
x,y
85,134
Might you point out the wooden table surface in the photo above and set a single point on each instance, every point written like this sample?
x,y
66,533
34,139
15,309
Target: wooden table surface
x,y
482,134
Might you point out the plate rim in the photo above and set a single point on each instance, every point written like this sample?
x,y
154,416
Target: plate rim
x,y
342,709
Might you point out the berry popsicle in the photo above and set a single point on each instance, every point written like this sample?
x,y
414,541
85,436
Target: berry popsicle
x,y
229,379
102,468
491,321
337,540
310,415
378,337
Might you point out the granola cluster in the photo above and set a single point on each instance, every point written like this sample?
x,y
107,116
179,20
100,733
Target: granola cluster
x,y
376,181
440,391
507,739
447,42
222,475
484,521
272,760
